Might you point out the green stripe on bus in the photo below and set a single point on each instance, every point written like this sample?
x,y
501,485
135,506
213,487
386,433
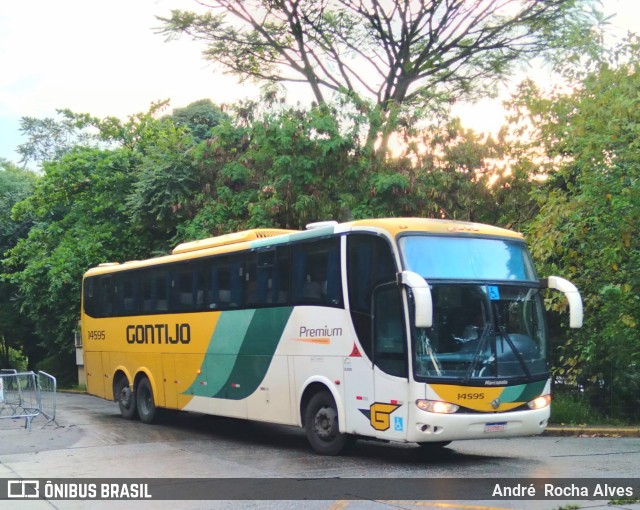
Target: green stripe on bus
x,y
289,238
522,392
222,353
240,352
257,350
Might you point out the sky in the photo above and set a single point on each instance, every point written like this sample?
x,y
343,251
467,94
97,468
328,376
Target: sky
x,y
107,59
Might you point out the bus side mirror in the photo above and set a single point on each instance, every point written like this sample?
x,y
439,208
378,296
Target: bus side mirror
x,y
573,296
421,297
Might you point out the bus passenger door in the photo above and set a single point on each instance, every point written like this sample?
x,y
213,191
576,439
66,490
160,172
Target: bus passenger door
x,y
389,412
170,382
95,374
358,391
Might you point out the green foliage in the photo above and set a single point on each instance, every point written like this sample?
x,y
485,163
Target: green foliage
x,y
570,408
588,224
15,184
447,171
285,169
16,331
15,359
198,117
63,366
167,177
388,58
79,219
49,139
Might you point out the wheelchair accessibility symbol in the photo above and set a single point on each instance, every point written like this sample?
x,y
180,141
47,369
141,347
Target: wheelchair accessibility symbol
x,y
398,424
494,293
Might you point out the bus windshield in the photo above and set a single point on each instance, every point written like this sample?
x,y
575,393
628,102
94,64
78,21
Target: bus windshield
x,y
466,258
482,332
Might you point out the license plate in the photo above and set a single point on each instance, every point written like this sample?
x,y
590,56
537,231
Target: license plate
x,y
495,427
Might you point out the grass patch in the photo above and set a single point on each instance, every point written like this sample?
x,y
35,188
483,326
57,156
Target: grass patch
x,y
623,501
572,409
80,388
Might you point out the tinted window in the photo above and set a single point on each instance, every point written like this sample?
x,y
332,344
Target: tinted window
x,y
369,263
316,273
306,273
225,282
390,353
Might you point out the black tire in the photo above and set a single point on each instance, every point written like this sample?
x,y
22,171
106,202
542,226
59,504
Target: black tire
x,y
126,399
146,405
433,447
321,425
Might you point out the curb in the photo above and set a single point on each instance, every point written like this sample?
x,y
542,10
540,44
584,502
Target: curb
x,y
592,431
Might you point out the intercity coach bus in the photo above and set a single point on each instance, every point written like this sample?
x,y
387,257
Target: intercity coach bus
x,y
403,329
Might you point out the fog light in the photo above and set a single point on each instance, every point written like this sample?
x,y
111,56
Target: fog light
x,y
540,402
437,406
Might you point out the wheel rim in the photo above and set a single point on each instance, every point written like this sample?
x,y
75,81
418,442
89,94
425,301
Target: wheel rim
x,y
325,422
146,401
125,397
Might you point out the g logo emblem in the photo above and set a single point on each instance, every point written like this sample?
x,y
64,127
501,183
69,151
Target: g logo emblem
x,y
380,419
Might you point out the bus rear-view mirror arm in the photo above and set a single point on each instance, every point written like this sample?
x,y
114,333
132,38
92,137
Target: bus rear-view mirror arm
x,y
572,294
421,297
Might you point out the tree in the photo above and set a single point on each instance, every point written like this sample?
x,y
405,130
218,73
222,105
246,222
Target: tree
x,y
80,219
276,169
199,117
389,58
49,138
589,221
16,331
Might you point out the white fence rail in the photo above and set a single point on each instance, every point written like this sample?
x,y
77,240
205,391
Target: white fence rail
x,y
26,395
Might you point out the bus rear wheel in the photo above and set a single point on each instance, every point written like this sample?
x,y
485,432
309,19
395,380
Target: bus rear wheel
x,y
321,425
146,405
126,398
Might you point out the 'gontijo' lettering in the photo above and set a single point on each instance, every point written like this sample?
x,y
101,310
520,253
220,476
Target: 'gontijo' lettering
x,y
158,334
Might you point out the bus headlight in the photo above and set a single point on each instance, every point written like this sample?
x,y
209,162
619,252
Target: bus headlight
x,y
540,402
437,406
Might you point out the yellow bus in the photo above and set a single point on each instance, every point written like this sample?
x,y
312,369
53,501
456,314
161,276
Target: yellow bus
x,y
403,329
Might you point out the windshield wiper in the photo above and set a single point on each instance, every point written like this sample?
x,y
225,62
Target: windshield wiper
x,y
503,333
479,350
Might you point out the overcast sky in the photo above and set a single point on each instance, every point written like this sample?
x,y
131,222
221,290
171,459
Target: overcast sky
x,y
104,58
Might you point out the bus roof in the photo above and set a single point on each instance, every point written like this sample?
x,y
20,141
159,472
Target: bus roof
x,y
257,238
397,226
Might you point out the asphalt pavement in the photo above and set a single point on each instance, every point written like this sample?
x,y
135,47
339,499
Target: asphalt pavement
x,y
90,439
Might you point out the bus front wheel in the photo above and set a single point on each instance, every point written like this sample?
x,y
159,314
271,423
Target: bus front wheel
x,y
146,405
126,398
321,425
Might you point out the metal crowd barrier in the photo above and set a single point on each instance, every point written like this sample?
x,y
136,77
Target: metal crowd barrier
x,y
26,395
47,394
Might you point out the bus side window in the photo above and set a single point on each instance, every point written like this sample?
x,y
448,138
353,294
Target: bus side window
x,y
98,296
370,262
236,276
272,281
225,283
88,299
250,281
162,285
148,292
281,277
183,290
129,283
316,273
